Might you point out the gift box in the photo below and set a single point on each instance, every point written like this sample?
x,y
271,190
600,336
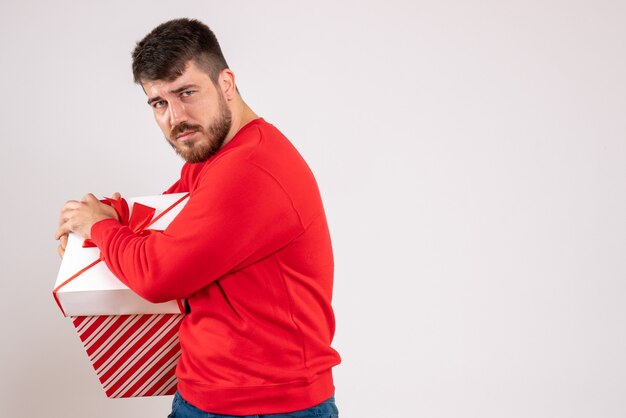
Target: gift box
x,y
132,344
132,355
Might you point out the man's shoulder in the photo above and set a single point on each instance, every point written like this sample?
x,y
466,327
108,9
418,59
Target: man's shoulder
x,y
259,143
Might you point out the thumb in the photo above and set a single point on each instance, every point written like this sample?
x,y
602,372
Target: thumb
x,y
117,196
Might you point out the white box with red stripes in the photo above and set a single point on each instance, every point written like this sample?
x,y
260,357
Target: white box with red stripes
x,y
132,344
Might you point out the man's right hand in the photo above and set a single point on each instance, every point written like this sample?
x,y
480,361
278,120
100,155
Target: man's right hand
x,y
63,238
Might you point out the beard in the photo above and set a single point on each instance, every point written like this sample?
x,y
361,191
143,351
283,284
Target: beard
x,y
212,139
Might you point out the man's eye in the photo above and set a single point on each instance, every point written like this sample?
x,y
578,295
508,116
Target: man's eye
x,y
187,93
159,104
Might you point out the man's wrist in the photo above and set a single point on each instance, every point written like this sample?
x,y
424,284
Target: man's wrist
x,y
96,230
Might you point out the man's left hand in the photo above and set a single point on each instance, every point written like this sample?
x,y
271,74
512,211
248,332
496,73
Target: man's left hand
x,y
79,217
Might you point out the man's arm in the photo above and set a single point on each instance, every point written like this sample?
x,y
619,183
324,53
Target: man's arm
x,y
237,215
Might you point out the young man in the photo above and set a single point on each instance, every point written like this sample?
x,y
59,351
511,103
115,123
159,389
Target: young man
x,y
250,251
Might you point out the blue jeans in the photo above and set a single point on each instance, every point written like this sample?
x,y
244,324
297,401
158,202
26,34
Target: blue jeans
x,y
183,409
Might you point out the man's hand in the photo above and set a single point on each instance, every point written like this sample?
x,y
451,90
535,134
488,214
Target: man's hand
x,y
79,217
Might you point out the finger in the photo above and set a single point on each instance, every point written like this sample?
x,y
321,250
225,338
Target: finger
x,y
89,198
66,214
71,204
117,196
63,229
61,251
63,241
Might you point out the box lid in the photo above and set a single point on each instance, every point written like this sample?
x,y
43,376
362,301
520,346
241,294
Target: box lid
x,y
85,285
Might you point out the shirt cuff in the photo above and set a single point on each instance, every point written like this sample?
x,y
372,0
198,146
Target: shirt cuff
x,y
101,229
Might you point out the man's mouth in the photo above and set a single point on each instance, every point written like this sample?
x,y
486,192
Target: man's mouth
x,y
183,136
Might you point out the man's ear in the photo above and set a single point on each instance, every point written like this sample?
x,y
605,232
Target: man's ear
x,y
227,84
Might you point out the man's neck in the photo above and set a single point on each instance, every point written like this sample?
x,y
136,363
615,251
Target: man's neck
x,y
241,116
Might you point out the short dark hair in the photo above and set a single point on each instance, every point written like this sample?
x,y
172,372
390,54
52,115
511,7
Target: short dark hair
x,y
164,53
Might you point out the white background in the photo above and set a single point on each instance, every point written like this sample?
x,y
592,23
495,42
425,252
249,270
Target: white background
x,y
471,156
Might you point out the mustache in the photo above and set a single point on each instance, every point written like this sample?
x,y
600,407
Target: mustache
x,y
183,127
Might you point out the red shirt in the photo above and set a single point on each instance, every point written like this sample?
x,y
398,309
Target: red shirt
x,y
252,254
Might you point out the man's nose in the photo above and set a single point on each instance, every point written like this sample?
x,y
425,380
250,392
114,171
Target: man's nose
x,y
177,113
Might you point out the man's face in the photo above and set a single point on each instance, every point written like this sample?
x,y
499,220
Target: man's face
x,y
192,113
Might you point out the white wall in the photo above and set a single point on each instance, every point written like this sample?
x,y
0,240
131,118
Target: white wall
x,y
472,158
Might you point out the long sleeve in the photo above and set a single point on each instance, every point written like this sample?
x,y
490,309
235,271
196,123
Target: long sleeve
x,y
237,215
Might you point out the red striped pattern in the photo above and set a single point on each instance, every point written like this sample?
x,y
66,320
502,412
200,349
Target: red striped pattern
x,y
133,355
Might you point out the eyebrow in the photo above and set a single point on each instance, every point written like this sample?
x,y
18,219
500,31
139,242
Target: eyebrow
x,y
153,99
175,91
